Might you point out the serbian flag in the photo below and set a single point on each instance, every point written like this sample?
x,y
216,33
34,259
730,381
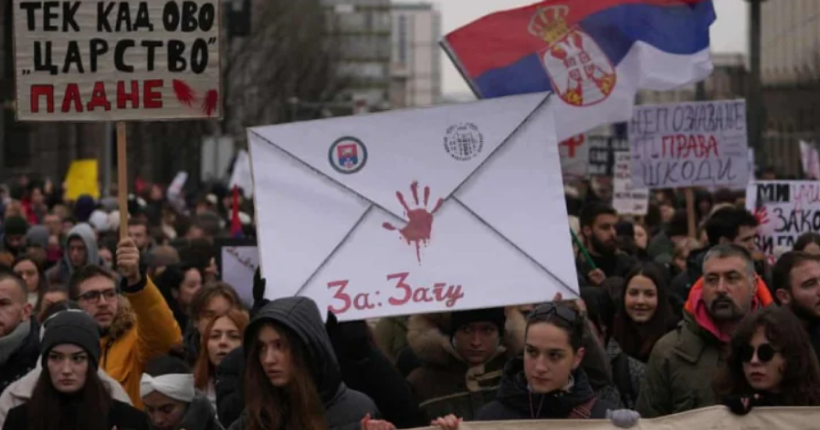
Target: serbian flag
x,y
594,55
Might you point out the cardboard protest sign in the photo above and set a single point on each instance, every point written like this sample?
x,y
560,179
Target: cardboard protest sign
x,y
689,144
810,157
109,61
712,418
81,179
785,209
574,155
627,199
373,216
237,261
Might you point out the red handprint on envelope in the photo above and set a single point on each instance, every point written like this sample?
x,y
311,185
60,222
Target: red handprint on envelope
x,y
762,215
419,226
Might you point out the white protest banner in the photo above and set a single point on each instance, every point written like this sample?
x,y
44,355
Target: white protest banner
x,y
241,175
627,199
711,418
175,189
237,261
375,215
785,209
689,144
574,154
111,61
810,157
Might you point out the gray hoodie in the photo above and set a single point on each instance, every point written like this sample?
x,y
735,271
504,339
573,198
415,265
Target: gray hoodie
x,y
61,273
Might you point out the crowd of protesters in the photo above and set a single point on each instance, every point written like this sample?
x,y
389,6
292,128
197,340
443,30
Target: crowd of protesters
x,y
99,332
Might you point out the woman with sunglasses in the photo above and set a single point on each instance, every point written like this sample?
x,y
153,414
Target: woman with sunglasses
x,y
548,383
770,363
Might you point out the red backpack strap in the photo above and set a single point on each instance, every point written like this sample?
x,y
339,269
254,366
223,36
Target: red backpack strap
x,y
582,411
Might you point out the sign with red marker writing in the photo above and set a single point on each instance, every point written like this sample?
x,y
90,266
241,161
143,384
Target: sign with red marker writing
x,y
785,210
112,61
689,145
424,210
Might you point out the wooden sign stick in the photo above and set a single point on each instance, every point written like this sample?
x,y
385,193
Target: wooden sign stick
x,y
122,179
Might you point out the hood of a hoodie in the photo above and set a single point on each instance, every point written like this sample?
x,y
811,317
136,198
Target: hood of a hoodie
x,y
429,337
301,315
84,232
514,394
696,307
200,415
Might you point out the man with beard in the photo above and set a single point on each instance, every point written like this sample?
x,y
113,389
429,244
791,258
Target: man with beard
x,y
796,278
598,228
729,225
682,364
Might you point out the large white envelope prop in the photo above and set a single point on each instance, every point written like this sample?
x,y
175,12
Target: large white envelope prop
x,y
437,209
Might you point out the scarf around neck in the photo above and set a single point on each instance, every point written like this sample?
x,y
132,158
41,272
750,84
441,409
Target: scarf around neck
x,y
12,342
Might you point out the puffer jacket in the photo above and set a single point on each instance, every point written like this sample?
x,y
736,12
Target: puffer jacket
x,y
515,401
446,384
20,392
143,329
344,408
683,363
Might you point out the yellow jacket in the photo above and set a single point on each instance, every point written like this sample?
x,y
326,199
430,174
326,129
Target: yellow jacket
x,y
143,329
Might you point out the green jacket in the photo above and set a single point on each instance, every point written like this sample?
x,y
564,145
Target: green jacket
x,y
680,371
391,335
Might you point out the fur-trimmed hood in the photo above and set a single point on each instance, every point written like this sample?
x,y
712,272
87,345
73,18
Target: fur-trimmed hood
x,y
429,336
124,321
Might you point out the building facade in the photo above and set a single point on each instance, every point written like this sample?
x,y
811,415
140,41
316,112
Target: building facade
x,y
790,41
360,30
416,57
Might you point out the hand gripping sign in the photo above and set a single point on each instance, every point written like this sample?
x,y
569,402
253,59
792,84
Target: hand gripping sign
x,y
426,210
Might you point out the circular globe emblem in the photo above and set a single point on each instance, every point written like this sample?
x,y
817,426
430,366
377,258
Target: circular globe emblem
x,y
347,155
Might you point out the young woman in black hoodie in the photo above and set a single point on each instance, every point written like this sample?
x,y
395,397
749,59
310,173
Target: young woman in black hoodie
x,y
292,377
771,363
548,383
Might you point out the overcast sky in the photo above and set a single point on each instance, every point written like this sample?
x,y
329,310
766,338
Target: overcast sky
x,y
728,33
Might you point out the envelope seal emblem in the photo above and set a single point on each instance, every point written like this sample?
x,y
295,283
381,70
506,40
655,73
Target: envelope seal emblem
x,y
347,155
463,141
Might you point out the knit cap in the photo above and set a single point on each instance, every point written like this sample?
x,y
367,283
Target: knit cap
x,y
73,327
16,226
491,315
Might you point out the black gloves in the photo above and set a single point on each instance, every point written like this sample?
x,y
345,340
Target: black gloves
x,y
259,299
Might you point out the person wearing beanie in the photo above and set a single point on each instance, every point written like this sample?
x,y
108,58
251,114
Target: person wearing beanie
x,y
462,356
83,208
20,391
171,400
14,235
69,394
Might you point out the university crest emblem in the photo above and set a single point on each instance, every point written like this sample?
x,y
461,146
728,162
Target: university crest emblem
x,y
580,72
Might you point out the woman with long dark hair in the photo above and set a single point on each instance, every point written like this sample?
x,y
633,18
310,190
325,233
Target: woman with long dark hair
x,y
292,377
771,363
548,382
69,394
29,269
643,312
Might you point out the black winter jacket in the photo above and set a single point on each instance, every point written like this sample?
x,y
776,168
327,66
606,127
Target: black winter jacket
x,y
344,407
120,415
24,359
515,402
199,416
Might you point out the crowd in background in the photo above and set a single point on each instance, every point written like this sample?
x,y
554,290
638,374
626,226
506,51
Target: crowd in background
x,y
141,333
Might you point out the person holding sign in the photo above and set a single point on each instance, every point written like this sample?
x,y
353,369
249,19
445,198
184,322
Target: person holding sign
x,y
770,363
548,383
598,228
681,365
